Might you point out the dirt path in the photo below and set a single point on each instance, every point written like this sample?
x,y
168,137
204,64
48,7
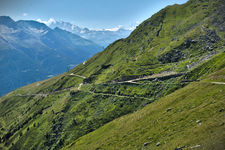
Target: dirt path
x,y
72,74
133,81
80,85
40,95
219,83
44,94
154,76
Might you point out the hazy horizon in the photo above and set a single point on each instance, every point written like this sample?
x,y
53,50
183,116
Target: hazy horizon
x,y
91,14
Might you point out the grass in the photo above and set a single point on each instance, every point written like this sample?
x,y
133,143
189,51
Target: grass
x,y
182,38
144,53
178,127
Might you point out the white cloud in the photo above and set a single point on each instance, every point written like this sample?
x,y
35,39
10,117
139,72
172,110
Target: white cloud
x,y
133,26
96,29
50,21
115,28
25,14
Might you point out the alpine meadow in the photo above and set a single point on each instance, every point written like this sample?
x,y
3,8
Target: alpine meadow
x,y
161,88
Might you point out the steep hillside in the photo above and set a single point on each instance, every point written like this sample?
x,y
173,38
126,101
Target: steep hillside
x,y
179,45
30,51
177,38
186,119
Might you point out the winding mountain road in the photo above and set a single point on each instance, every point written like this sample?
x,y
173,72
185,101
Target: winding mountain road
x,y
133,81
154,76
220,83
76,75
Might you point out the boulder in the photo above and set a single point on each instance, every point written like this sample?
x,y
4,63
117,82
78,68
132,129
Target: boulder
x,y
169,109
146,143
158,144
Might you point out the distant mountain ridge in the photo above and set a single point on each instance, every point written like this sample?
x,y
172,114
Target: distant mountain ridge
x,y
31,51
120,98
102,37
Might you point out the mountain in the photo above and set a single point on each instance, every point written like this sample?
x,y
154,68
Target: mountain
x,y
185,119
30,51
160,88
102,37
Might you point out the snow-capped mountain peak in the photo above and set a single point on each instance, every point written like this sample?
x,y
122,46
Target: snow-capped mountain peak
x,y
103,37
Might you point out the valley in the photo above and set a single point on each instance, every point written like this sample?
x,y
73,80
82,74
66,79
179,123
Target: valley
x,y
31,51
160,88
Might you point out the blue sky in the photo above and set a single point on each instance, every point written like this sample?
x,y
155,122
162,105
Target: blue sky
x,y
86,13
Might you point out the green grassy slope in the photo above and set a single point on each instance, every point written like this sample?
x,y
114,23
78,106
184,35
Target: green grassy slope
x,y
193,115
176,38
186,41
